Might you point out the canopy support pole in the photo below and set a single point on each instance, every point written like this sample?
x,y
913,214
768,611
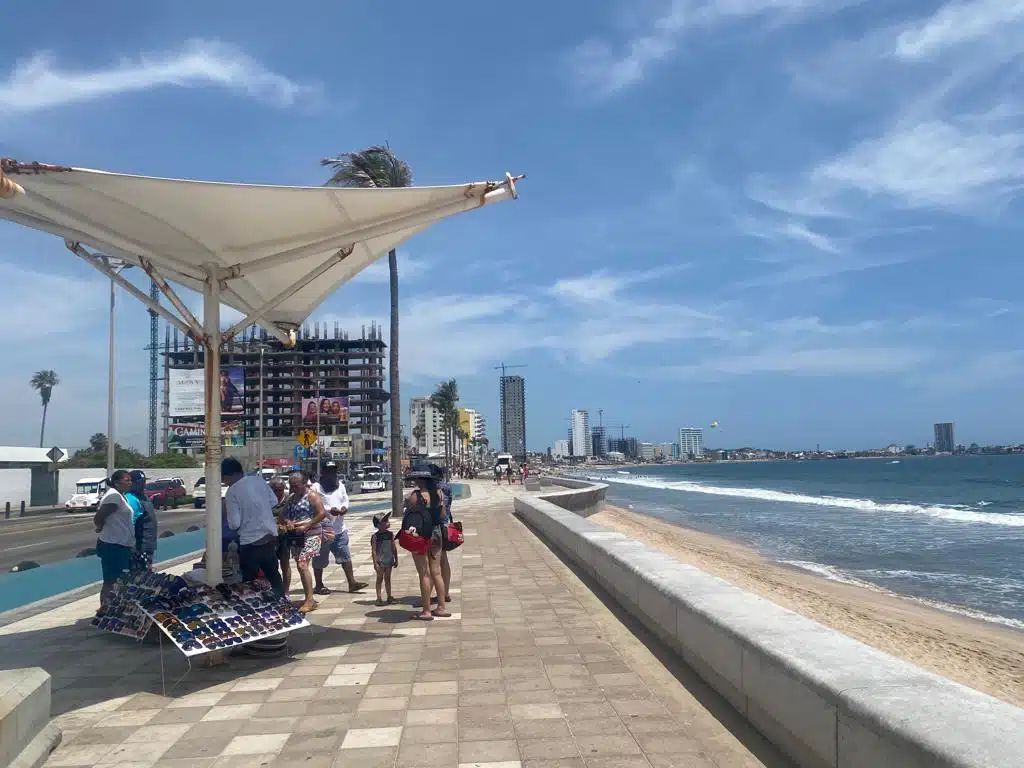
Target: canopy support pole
x,y
167,291
286,337
211,393
194,332
290,291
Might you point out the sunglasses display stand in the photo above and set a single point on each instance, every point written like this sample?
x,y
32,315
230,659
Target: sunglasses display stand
x,y
198,619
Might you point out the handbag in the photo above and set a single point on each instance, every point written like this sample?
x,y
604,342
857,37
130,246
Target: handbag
x,y
454,537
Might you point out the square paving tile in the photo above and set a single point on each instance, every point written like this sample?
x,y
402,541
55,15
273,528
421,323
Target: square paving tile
x,y
415,755
357,738
547,749
488,751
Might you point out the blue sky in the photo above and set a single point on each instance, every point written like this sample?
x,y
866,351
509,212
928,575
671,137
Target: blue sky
x,y
797,218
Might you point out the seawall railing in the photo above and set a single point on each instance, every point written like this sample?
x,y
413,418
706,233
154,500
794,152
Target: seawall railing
x,y
823,698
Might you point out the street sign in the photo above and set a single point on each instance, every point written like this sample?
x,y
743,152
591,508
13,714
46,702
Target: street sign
x,y
55,454
306,438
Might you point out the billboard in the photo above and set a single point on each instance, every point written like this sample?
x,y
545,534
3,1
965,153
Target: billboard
x,y
193,434
332,410
186,392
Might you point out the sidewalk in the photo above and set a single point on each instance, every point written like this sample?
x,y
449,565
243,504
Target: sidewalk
x,y
532,669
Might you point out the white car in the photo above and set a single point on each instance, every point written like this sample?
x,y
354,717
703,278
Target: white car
x,y
199,492
373,479
88,492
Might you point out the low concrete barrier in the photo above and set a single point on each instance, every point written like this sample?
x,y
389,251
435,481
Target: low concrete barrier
x,y
583,497
26,735
823,698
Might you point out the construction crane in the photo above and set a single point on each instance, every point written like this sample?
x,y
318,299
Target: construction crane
x,y
154,328
502,367
622,429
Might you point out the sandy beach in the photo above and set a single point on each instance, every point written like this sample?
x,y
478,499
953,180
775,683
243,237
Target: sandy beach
x,y
987,657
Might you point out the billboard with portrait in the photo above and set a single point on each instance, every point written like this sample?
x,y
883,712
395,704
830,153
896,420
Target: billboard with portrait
x,y
186,392
332,410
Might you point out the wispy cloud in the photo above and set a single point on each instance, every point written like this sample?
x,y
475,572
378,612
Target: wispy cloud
x,y
39,83
604,285
956,24
378,273
814,362
602,67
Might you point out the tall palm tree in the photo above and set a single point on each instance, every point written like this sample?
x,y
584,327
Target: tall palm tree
x,y
378,167
44,382
446,400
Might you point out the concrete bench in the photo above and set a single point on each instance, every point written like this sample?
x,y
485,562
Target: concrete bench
x,y
26,735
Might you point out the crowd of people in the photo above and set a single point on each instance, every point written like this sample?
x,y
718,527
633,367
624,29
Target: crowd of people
x,y
511,474
291,520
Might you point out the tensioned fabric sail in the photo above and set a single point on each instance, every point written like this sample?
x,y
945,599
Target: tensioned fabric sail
x,y
268,236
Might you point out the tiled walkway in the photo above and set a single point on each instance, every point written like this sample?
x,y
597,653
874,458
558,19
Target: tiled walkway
x,y
531,670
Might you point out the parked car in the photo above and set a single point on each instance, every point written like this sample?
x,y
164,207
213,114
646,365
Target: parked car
x,y
166,492
373,479
88,492
199,492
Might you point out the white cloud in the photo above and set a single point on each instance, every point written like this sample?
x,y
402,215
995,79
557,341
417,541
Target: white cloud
x,y
955,24
603,286
815,362
38,83
601,67
378,274
59,304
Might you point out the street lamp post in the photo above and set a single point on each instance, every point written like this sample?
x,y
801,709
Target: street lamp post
x,y
118,267
318,445
260,465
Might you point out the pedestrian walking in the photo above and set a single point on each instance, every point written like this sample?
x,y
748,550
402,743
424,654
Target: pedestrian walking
x,y
336,540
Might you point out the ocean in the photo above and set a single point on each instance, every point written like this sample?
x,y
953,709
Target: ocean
x,y
947,531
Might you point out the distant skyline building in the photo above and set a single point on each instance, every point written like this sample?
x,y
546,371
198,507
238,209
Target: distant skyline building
x,y
599,441
427,430
627,446
582,441
561,449
945,437
513,415
691,442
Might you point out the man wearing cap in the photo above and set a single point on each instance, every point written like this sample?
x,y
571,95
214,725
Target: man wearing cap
x,y
335,499
144,520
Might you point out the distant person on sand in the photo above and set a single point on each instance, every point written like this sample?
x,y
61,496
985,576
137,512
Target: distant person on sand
x,y
497,474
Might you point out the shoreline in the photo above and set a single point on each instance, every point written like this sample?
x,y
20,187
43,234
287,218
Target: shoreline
x,y
985,656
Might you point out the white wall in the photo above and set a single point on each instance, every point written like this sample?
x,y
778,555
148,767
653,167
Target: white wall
x,y
15,487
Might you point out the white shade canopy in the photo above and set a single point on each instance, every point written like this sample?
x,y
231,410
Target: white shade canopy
x,y
261,239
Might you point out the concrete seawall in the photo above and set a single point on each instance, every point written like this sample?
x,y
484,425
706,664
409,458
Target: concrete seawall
x,y
820,696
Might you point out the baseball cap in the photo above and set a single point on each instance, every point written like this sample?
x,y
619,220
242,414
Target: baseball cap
x,y
137,475
379,518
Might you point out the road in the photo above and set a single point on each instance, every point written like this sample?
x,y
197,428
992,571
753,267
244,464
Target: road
x,y
61,536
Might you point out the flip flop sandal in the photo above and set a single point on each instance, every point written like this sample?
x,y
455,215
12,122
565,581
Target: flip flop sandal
x,y
421,617
441,614
358,586
322,591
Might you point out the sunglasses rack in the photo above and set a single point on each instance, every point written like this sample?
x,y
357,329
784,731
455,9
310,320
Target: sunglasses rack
x,y
198,618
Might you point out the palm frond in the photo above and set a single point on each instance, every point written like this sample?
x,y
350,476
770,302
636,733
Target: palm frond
x,y
376,167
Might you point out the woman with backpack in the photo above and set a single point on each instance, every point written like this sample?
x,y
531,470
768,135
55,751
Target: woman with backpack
x,y
422,534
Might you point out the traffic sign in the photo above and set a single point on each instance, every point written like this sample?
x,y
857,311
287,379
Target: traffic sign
x,y
55,454
306,438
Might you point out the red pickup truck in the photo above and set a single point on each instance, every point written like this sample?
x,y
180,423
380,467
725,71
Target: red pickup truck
x,y
166,492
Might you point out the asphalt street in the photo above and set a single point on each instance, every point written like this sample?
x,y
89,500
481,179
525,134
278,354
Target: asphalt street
x,y
61,536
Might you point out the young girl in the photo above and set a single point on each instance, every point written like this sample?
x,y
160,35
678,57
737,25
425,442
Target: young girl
x,y
385,554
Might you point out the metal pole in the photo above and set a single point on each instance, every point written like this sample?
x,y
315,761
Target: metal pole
x,y
262,350
111,437
318,446
211,371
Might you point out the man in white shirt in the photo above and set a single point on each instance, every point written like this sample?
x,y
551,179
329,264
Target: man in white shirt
x,y
335,499
249,507
113,521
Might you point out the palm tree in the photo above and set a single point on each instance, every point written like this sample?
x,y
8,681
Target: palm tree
x,y
378,167
417,433
44,382
446,400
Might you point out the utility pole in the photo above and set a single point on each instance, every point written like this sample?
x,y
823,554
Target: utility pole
x,y
260,465
318,446
154,340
